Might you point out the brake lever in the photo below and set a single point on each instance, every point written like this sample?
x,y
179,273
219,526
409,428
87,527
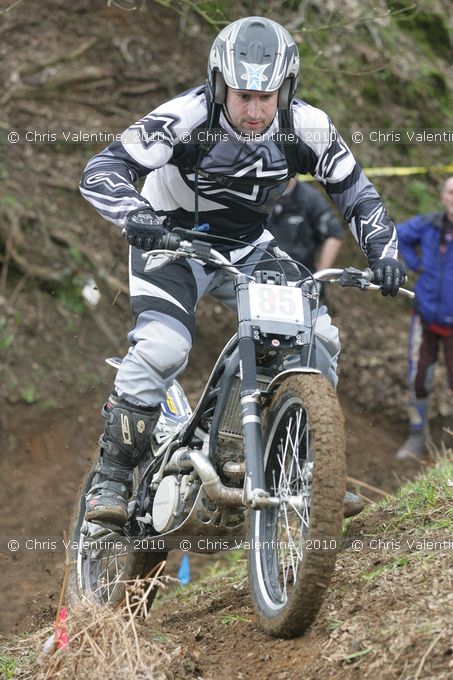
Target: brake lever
x,y
363,280
201,250
155,259
355,278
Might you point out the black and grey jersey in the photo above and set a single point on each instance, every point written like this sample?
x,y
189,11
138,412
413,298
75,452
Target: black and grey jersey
x,y
239,178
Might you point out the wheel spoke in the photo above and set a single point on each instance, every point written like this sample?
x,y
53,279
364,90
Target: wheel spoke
x,y
287,596
101,571
288,465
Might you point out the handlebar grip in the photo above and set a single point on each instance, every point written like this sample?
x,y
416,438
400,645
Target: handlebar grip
x,y
169,242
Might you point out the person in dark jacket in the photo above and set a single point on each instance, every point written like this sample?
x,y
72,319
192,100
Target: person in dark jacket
x,y
305,227
426,245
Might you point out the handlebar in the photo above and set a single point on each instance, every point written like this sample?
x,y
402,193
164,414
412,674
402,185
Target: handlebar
x,y
186,243
356,278
170,241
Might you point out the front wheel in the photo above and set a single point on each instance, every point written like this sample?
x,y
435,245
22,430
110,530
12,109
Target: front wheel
x,y
293,546
100,565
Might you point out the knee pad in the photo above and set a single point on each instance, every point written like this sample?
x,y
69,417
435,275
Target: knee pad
x,y
163,348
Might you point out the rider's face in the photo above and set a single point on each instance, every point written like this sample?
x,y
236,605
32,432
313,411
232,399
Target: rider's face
x,y
251,111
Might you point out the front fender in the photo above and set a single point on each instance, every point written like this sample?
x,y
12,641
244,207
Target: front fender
x,y
275,382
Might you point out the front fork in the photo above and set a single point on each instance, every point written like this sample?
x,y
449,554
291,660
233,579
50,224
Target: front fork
x,y
255,492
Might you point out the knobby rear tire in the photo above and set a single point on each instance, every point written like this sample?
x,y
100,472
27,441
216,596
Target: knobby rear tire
x,y
103,579
293,550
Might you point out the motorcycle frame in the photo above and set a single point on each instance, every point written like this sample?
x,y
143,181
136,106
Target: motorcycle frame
x,y
239,357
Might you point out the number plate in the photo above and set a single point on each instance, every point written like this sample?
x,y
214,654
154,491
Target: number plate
x,y
275,303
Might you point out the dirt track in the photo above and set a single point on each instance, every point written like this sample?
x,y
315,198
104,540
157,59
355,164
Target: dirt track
x,y
46,456
44,473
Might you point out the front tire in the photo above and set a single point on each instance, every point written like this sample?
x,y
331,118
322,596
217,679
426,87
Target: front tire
x,y
293,547
102,575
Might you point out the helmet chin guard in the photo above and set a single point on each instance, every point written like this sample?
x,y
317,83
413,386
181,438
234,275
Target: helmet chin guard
x,y
254,53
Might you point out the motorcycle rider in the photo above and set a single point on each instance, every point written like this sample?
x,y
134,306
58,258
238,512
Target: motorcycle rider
x,y
216,157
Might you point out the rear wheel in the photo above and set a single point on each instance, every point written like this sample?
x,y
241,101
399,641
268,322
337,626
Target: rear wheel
x,y
101,565
293,547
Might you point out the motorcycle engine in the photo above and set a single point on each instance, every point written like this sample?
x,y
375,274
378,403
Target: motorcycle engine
x,y
169,508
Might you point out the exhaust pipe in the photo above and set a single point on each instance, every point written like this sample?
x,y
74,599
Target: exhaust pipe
x,y
212,485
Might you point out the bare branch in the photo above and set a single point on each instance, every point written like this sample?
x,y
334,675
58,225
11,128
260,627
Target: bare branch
x,y
8,9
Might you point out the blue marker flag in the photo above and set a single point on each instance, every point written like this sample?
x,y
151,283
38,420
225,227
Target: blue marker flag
x,y
184,571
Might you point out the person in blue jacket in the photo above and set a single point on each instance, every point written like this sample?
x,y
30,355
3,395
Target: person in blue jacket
x,y
426,246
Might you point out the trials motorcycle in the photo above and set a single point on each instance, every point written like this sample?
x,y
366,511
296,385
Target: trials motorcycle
x,y
259,463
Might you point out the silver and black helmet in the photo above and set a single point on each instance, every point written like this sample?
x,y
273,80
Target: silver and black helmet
x,y
254,53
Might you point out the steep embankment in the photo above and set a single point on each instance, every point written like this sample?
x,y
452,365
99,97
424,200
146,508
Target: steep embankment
x,y
387,613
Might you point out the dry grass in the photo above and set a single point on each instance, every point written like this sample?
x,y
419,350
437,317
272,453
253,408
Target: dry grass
x,y
103,644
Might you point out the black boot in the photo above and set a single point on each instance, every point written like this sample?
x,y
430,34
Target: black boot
x,y
125,441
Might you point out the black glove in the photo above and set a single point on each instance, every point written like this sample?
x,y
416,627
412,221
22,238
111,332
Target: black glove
x,y
389,274
143,229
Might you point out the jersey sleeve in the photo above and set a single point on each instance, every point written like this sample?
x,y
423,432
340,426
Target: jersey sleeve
x,y
109,177
324,154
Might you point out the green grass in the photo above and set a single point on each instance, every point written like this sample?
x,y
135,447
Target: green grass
x,y
70,296
10,200
356,656
161,638
397,563
335,624
232,618
425,504
29,394
6,336
8,666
